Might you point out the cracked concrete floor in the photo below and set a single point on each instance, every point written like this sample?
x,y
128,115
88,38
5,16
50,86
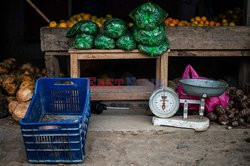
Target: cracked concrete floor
x,y
145,146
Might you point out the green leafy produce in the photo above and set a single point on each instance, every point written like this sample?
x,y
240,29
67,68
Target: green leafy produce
x,y
86,26
115,28
126,42
148,16
104,42
154,50
83,41
150,38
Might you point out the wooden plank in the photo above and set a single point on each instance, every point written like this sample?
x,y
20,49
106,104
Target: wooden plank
x,y
57,53
181,38
103,56
97,51
121,89
120,96
211,38
121,93
206,53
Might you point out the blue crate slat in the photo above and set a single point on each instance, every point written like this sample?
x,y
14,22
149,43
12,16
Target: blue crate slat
x,y
55,126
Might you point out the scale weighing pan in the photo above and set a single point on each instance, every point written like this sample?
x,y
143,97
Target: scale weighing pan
x,y
198,87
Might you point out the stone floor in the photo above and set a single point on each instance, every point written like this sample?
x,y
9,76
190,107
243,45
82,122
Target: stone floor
x,y
123,138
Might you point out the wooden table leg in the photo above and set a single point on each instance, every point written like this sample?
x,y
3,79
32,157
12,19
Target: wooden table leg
x,y
164,69
52,65
74,66
244,74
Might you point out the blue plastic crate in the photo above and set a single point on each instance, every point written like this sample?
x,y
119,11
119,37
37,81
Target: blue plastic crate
x,y
55,126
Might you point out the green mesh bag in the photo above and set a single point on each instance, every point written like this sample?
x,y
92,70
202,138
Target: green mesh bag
x,y
148,16
115,28
87,27
83,41
104,42
154,50
126,42
150,38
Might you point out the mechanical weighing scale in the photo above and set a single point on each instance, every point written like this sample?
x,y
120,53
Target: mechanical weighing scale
x,y
164,103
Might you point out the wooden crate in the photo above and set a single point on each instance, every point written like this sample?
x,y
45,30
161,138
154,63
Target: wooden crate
x,y
118,92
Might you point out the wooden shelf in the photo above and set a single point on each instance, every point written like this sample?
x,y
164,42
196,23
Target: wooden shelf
x,y
118,92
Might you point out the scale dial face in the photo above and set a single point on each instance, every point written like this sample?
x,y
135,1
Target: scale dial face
x,y
164,102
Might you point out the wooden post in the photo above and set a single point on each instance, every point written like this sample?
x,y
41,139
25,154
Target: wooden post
x,y
244,74
158,68
164,69
52,65
74,66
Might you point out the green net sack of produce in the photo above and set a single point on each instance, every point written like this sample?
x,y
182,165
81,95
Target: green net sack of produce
x,y
83,41
104,42
126,42
87,27
148,16
151,38
154,50
115,28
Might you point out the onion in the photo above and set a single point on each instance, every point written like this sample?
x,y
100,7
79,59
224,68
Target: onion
x,y
12,106
24,94
20,111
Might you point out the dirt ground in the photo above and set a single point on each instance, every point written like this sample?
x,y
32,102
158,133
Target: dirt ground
x,y
217,146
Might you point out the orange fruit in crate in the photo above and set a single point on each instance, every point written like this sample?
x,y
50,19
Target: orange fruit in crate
x,y
193,24
52,24
203,18
217,24
69,24
175,21
201,23
225,24
197,18
86,16
170,19
172,24
196,22
211,23
192,20
181,24
231,24
224,21
62,25
78,17
93,18
206,23
166,22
